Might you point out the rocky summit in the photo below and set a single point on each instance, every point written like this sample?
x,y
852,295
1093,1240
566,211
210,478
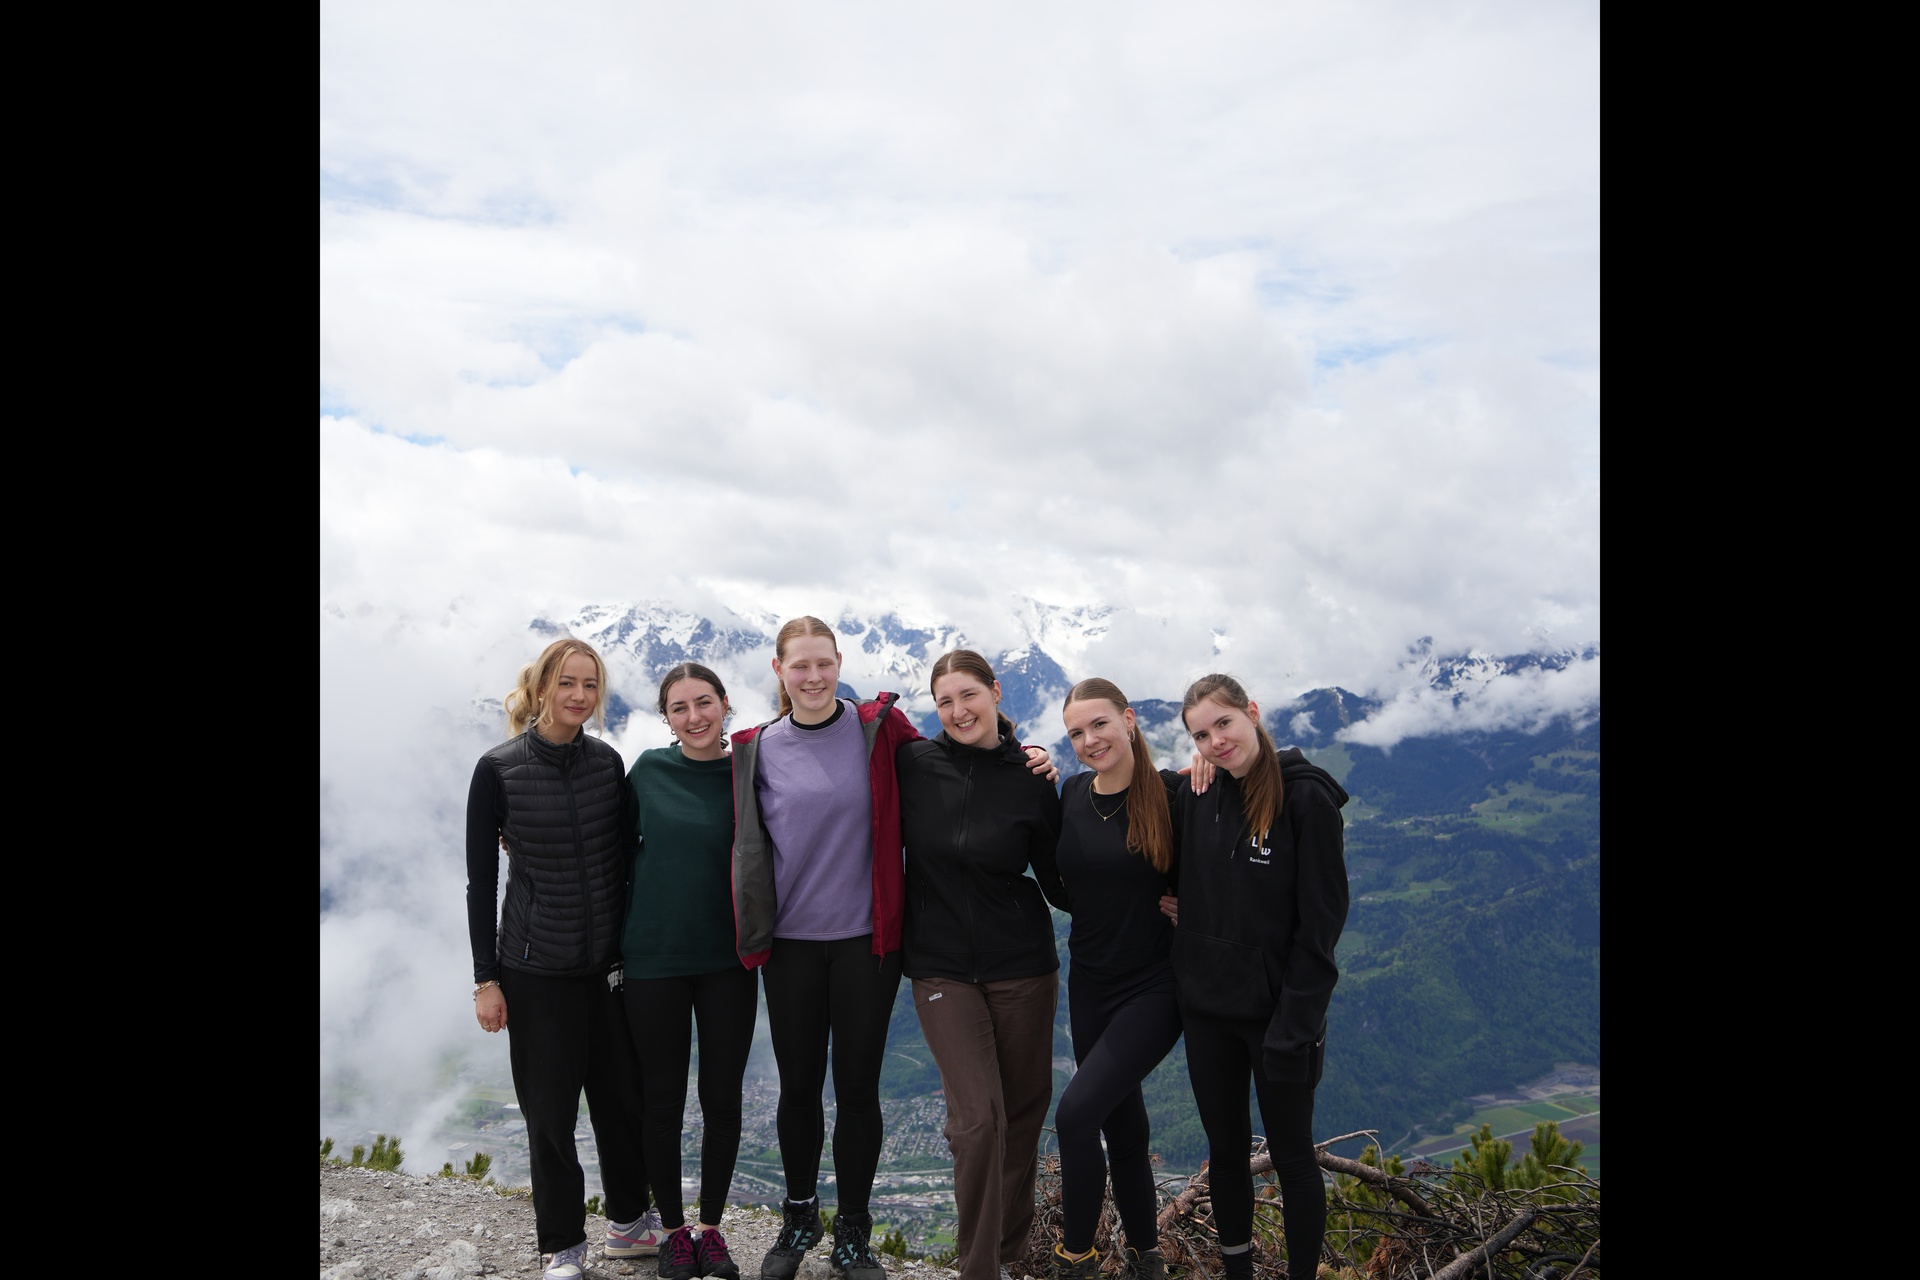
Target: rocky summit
x,y
396,1226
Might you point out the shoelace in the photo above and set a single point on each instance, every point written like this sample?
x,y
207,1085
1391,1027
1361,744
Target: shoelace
x,y
710,1247
679,1249
854,1253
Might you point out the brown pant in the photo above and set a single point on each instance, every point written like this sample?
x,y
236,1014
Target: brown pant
x,y
993,1042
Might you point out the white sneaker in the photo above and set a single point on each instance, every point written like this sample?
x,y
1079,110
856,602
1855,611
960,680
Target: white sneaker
x,y
642,1239
568,1264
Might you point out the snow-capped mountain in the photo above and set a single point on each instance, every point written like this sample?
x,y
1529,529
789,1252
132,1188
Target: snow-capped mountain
x,y
1432,693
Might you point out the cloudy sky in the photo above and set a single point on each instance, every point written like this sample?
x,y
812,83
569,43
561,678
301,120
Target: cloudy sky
x,y
1275,320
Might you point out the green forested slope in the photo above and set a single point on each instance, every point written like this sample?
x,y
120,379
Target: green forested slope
x,y
1471,957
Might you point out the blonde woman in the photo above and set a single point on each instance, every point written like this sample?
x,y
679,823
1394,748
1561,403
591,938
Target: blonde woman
x,y
557,800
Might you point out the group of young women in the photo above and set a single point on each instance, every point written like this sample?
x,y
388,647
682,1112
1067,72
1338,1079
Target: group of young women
x,y
836,850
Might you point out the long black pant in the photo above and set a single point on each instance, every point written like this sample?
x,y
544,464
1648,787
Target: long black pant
x,y
816,991
1221,1057
661,1013
565,1035
1121,1031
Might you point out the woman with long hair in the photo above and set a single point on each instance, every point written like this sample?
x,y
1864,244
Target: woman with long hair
x,y
1118,858
556,799
681,968
818,903
978,948
1263,898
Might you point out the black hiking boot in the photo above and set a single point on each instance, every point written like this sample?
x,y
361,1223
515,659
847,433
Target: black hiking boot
x,y
853,1257
1064,1268
800,1230
1146,1265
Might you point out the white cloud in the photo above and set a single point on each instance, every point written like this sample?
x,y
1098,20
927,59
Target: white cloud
x,y
1529,700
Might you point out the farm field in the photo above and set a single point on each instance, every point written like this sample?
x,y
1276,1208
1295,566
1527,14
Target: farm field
x,y
1577,1114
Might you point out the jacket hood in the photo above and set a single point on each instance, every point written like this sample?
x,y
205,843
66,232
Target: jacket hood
x,y
1295,767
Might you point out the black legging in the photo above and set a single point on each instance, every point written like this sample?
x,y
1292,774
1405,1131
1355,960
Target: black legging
x,y
816,990
1221,1056
661,1013
1121,1031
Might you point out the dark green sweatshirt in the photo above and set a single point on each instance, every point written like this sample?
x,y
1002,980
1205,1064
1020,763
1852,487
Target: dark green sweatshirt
x,y
680,917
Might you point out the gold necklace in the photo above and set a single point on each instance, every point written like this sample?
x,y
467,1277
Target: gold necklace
x,y
1096,807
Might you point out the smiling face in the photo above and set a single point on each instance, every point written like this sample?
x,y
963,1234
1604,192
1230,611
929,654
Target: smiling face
x,y
809,671
1102,735
696,713
969,710
572,700
1225,734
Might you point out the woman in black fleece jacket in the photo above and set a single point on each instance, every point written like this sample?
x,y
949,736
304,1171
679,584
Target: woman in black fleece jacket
x,y
1263,897
978,945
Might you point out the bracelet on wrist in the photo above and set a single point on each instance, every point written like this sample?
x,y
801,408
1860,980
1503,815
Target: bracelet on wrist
x,y
490,982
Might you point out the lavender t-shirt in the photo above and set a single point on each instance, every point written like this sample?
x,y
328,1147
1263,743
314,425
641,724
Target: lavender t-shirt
x,y
817,802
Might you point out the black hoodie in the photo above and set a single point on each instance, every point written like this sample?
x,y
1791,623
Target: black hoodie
x,y
1258,921
973,821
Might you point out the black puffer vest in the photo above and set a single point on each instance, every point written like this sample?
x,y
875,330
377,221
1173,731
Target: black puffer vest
x,y
566,855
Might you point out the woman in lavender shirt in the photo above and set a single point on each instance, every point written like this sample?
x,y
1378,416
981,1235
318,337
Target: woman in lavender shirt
x,y
818,900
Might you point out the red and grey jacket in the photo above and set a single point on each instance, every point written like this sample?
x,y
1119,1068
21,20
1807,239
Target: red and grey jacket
x,y
754,901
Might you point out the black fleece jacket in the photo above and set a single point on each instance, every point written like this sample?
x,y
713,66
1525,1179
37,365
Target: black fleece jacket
x,y
973,821
1259,919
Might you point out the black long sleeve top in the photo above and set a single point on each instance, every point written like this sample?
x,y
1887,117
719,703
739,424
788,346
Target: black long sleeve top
x,y
1112,893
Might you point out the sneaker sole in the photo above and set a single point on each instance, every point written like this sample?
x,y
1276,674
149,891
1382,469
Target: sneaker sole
x,y
635,1251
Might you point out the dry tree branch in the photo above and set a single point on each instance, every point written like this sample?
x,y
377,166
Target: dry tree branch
x,y
1465,1265
1395,1187
1591,1250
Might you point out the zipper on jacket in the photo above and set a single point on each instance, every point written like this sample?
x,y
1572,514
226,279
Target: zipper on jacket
x,y
973,934
580,852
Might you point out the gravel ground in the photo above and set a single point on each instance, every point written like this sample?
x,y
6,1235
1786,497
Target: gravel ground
x,y
395,1226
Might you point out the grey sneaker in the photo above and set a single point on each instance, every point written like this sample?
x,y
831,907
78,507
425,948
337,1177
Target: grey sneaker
x,y
568,1264
800,1230
639,1240
852,1257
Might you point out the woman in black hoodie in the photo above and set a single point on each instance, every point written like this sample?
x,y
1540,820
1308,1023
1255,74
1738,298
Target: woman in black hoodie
x,y
1263,897
978,945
